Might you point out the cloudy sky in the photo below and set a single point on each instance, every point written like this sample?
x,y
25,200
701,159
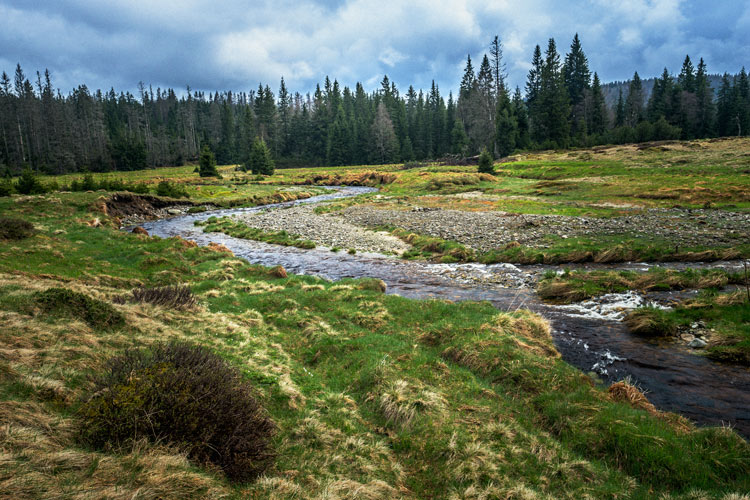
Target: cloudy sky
x,y
234,44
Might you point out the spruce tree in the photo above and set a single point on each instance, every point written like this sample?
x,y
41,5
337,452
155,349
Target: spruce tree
x,y
533,88
523,140
704,95
260,161
634,102
620,111
486,164
498,66
742,104
598,114
725,107
686,79
207,163
459,139
553,108
506,127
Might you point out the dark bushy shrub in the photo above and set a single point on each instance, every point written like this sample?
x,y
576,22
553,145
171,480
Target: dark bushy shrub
x,y
174,297
184,395
28,183
6,187
65,302
12,228
166,188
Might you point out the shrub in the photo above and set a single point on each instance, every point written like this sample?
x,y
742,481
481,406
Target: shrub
x,y
174,297
29,184
12,228
65,302
486,165
184,395
6,187
171,190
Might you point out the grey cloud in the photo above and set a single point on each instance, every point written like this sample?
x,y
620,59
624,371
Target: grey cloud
x,y
237,44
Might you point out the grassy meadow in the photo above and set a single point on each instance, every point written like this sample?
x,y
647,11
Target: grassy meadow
x,y
374,396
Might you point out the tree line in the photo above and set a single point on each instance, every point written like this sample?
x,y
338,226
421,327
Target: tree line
x,y
562,105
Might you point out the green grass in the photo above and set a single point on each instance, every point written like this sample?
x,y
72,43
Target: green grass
x,y
725,315
237,229
372,393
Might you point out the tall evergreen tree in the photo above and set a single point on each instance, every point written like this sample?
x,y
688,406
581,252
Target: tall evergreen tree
x,y
686,79
704,94
597,123
506,126
384,141
523,139
533,88
498,65
634,102
620,110
552,110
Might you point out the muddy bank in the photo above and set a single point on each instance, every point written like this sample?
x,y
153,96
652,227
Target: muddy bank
x,y
485,231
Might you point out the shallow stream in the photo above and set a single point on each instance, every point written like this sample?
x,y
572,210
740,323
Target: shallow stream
x,y
589,335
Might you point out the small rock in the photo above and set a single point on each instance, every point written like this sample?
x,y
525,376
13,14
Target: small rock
x,y
140,230
697,343
174,211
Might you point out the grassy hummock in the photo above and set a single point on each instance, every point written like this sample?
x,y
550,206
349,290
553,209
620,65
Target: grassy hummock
x,y
574,286
234,228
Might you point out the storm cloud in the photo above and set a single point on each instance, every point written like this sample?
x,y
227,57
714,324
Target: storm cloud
x,y
234,45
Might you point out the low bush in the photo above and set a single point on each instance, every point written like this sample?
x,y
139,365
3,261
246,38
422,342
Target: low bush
x,y
66,302
171,190
12,228
184,395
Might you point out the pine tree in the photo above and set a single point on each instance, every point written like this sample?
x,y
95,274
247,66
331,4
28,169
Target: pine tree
x,y
704,95
506,126
686,79
577,77
660,102
207,163
726,108
459,139
523,140
553,109
498,66
260,161
634,102
338,140
598,114
742,104
533,88
486,164
384,141
620,111
576,72
467,82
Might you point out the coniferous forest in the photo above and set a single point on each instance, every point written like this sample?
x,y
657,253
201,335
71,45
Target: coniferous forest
x,y
561,105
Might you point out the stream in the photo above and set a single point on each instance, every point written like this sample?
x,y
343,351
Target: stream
x,y
589,335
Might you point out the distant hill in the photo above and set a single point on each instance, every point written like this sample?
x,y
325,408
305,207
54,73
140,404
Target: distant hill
x,y
611,90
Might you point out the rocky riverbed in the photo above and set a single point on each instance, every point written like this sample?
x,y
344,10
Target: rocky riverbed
x,y
490,230
325,229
